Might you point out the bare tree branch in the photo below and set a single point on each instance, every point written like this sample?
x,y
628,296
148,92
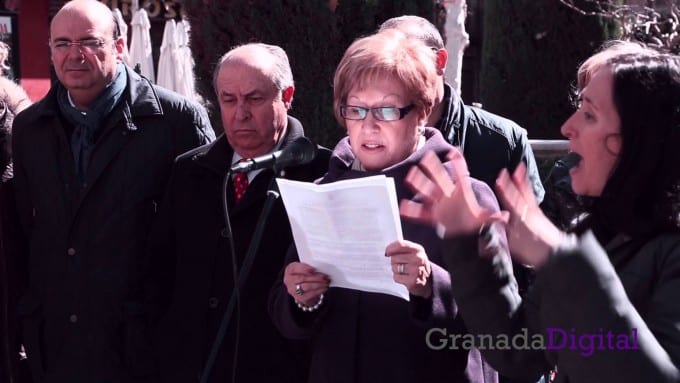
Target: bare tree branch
x,y
655,26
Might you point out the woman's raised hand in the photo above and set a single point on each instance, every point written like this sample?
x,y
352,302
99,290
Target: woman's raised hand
x,y
450,205
530,233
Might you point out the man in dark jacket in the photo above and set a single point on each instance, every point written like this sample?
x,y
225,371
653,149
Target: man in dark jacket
x,y
489,142
91,162
254,86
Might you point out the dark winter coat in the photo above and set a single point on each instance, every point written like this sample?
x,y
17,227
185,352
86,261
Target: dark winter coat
x,y
361,337
86,314
191,230
13,278
489,142
628,287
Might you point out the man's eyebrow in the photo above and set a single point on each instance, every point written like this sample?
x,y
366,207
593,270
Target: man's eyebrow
x,y
255,92
80,39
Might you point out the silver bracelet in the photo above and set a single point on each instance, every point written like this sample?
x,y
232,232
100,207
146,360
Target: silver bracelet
x,y
309,309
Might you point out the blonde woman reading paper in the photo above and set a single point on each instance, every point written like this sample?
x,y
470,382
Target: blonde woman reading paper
x,y
383,94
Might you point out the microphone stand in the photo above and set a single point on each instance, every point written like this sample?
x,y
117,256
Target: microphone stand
x,y
253,247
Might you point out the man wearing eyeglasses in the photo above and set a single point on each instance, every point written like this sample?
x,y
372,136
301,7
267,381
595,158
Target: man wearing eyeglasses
x,y
91,161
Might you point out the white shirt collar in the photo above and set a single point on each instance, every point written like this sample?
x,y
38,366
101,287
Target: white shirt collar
x,y
235,158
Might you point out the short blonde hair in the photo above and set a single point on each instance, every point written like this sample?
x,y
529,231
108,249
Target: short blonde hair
x,y
387,53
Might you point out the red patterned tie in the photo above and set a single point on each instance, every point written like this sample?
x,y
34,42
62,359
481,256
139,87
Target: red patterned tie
x,y
240,185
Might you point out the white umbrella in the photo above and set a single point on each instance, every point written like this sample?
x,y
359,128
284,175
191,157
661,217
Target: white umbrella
x,y
140,44
186,85
169,73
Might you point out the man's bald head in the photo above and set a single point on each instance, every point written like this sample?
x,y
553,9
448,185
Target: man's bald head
x,y
270,59
86,49
92,8
415,27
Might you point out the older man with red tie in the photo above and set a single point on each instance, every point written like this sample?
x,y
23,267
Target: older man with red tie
x,y
254,87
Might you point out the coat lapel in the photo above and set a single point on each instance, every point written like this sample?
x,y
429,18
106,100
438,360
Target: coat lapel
x,y
108,147
218,158
119,129
622,248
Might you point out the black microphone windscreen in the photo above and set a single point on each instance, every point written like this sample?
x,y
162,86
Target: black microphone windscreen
x,y
571,159
298,152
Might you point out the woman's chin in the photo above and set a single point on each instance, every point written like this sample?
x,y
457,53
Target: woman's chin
x,y
576,185
372,162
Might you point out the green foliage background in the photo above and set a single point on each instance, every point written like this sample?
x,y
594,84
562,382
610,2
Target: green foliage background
x,y
531,51
313,36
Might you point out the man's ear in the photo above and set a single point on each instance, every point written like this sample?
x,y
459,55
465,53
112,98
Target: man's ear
x,y
442,59
119,46
287,96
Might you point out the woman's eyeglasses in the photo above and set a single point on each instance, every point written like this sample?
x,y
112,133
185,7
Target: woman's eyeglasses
x,y
382,113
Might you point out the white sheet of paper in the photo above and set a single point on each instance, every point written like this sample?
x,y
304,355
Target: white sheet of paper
x,y
342,229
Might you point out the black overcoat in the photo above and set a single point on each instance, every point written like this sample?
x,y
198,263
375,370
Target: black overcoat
x,y
86,315
191,229
360,337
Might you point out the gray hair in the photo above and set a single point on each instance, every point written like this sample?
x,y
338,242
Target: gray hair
x,y
281,74
415,27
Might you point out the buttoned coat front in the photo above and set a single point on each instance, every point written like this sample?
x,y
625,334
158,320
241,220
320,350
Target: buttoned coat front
x,y
87,310
191,227
359,336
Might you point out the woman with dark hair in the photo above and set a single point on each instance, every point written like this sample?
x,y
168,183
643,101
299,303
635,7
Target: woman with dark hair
x,y
605,305
561,204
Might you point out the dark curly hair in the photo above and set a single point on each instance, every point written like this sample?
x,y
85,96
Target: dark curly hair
x,y
642,196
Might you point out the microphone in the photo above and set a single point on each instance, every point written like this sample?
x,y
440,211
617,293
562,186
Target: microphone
x,y
571,160
298,152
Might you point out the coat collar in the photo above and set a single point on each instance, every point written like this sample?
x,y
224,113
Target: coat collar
x,y
217,155
622,248
453,123
142,96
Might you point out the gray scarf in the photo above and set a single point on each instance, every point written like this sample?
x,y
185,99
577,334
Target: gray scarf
x,y
87,125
